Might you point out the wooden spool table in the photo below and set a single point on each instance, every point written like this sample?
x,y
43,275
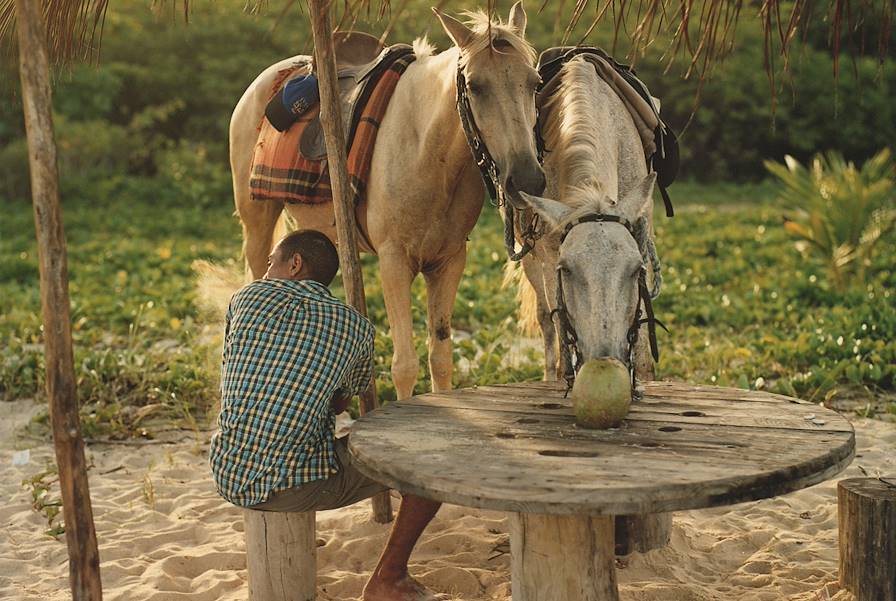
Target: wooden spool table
x,y
516,448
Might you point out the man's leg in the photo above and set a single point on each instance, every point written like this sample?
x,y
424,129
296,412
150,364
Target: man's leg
x,y
390,580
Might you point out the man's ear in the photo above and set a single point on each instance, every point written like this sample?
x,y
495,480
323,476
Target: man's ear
x,y
295,265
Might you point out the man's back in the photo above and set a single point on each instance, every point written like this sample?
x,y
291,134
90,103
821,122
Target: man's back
x,y
289,345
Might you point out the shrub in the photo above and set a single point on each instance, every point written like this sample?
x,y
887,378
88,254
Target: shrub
x,y
841,211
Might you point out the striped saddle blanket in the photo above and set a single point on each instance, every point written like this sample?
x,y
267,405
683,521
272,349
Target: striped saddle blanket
x,y
282,172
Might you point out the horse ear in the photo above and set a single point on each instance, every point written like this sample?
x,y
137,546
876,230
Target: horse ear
x,y
636,201
551,211
518,18
459,33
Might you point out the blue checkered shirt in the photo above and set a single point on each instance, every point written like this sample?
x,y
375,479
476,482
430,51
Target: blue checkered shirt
x,y
288,346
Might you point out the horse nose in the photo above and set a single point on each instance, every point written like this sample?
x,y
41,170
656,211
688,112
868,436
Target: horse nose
x,y
530,180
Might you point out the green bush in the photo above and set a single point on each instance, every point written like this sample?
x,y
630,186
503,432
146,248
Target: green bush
x,y
841,212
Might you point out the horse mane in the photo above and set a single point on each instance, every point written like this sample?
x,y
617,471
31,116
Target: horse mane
x,y
423,48
573,129
487,32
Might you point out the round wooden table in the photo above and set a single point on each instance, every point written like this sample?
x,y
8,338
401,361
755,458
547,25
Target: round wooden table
x,y
516,448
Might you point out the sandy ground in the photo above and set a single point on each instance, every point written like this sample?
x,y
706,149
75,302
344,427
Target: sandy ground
x,y
165,535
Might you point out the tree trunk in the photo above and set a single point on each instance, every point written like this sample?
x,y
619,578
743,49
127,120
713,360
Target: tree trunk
x,y
867,524
34,70
346,225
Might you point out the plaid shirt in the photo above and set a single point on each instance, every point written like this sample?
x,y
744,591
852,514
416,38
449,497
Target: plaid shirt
x,y
288,345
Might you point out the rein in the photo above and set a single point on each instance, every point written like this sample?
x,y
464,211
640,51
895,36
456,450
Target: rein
x,y
570,355
490,172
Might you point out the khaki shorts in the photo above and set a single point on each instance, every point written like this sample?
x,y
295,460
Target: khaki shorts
x,y
345,487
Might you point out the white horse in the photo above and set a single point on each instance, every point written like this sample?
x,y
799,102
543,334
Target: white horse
x,y
425,191
594,164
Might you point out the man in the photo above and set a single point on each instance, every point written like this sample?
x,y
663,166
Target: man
x,y
293,357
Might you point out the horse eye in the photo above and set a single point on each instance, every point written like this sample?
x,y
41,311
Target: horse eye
x,y
475,88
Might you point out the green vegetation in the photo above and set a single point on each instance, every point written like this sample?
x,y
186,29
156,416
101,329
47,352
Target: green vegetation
x,y
746,307
841,211
146,191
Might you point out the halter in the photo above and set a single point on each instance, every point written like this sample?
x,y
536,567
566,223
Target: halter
x,y
490,172
570,355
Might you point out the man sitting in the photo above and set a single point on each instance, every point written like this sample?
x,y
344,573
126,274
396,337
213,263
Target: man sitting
x,y
293,357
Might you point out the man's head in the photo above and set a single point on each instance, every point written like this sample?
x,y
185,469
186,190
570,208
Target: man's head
x,y
303,255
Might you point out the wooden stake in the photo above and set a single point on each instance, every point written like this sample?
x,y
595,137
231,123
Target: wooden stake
x,y
34,70
346,225
281,555
867,524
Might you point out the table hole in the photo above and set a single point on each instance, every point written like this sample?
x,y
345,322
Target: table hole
x,y
552,453
693,414
550,406
670,429
527,420
505,435
649,445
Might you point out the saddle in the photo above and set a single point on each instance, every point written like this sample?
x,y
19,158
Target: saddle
x,y
360,59
659,141
289,164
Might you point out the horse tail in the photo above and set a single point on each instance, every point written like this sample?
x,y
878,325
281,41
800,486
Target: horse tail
x,y
525,295
215,284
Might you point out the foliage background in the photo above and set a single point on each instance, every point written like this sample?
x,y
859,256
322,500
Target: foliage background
x,y
146,190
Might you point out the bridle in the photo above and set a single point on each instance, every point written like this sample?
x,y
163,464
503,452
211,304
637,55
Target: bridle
x,y
490,172
570,355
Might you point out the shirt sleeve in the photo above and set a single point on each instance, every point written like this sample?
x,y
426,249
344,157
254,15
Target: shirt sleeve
x,y
227,317
362,368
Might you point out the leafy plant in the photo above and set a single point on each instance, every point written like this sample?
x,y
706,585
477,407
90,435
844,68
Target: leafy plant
x,y
841,211
43,501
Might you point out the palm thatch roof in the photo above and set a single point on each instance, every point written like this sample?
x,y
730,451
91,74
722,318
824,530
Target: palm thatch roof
x,y
701,31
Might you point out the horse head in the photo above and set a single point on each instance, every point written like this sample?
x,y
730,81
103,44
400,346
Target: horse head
x,y
600,267
497,67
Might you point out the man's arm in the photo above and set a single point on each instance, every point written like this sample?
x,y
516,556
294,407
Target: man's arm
x,y
362,368
358,377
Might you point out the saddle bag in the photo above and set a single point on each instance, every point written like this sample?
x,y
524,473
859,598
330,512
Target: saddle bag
x,y
295,99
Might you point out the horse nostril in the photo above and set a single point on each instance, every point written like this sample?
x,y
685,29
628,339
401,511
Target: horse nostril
x,y
541,182
509,186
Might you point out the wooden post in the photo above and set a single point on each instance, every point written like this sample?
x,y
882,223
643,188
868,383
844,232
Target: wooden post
x,y
80,535
281,555
867,524
642,533
562,558
346,225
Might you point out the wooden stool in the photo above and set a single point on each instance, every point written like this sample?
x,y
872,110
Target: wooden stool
x,y
867,524
281,554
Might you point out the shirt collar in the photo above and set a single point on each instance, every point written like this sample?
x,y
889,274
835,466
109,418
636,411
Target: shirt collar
x,y
311,287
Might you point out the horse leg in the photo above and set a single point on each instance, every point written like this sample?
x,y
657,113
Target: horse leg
x,y
645,369
396,277
441,289
259,220
534,272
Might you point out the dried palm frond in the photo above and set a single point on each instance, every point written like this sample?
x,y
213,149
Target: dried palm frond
x,y
700,31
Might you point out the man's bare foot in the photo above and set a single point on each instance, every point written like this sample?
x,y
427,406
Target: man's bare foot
x,y
404,589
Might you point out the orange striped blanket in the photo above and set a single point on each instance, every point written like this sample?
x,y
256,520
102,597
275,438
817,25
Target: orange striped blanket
x,y
281,173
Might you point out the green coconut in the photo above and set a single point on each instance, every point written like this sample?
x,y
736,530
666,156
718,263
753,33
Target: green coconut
x,y
602,393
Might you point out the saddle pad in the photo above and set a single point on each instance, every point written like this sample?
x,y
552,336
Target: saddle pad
x,y
280,172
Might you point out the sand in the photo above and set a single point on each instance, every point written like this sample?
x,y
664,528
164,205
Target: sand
x,y
165,535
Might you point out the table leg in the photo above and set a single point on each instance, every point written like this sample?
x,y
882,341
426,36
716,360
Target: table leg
x,y
562,558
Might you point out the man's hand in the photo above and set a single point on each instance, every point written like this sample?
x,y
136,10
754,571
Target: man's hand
x,y
340,401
